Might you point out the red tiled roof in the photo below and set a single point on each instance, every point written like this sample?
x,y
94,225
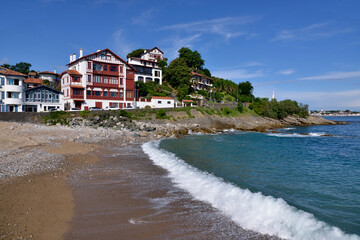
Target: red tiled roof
x,y
71,72
159,97
76,86
187,100
48,72
32,74
34,81
200,75
7,71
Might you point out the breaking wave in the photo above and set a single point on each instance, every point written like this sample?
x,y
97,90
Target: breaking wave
x,y
319,134
253,211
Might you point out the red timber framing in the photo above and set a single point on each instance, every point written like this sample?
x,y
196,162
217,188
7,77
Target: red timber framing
x,y
104,94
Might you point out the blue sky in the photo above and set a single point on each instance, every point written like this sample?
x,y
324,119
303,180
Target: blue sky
x,y
304,50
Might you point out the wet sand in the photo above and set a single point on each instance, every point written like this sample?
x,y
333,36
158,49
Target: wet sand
x,y
124,196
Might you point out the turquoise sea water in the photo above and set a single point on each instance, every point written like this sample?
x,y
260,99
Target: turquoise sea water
x,y
286,184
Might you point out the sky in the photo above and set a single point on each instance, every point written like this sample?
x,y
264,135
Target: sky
x,y
306,50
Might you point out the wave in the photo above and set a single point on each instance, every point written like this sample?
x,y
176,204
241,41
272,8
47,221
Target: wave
x,y
289,128
252,211
319,134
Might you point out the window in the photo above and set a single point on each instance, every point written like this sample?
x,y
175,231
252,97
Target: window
x,y
129,94
97,93
113,68
121,95
2,82
105,94
76,79
97,67
10,81
88,92
2,95
105,67
159,102
66,94
113,94
89,78
89,65
168,102
16,82
121,81
121,69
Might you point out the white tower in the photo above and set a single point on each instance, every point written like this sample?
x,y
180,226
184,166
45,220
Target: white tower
x,y
273,96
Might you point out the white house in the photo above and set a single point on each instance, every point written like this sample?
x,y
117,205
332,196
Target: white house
x,y
147,66
11,90
201,82
156,102
101,79
42,99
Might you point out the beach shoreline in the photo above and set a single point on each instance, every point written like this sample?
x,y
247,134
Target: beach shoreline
x,y
40,165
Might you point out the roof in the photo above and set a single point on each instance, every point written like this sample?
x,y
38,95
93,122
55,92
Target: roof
x,y
159,97
6,71
34,81
77,86
32,74
43,86
48,72
187,100
200,75
106,49
149,50
71,72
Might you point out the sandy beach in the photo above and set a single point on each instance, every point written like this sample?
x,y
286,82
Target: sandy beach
x,y
60,182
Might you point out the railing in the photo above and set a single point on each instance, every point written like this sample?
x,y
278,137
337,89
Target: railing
x,y
73,96
105,97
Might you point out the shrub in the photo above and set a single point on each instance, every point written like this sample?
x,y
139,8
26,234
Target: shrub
x,y
161,114
240,107
124,113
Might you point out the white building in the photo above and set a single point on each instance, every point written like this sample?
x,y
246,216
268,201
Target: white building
x,y
156,102
101,79
52,77
11,90
147,66
201,82
42,99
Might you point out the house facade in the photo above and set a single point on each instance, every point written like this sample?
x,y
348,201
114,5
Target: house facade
x,y
11,90
201,82
42,99
156,102
147,66
101,79
52,77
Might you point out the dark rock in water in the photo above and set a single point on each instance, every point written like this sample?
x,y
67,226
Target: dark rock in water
x,y
304,134
327,135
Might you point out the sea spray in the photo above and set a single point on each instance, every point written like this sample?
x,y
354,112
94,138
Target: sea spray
x,y
252,211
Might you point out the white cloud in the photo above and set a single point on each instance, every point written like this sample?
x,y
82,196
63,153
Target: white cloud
x,y
4,60
226,27
286,71
328,100
311,32
177,42
238,74
334,76
121,45
143,17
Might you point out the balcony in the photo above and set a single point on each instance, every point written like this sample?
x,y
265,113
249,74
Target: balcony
x,y
77,97
15,101
95,84
14,88
105,98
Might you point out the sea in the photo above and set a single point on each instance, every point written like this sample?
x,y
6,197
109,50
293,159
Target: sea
x,y
296,183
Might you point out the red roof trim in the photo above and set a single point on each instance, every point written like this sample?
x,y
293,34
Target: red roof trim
x,y
34,80
10,72
149,50
159,97
187,100
106,49
71,72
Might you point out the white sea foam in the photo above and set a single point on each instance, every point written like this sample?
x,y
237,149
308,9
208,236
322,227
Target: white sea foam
x,y
296,134
289,128
252,211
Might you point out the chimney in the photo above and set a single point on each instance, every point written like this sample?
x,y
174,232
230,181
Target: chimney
x,y
74,56
71,57
81,53
54,70
98,50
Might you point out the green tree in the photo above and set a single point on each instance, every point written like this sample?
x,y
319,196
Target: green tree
x,y
245,88
178,73
182,91
136,53
206,72
143,90
22,67
46,82
192,58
